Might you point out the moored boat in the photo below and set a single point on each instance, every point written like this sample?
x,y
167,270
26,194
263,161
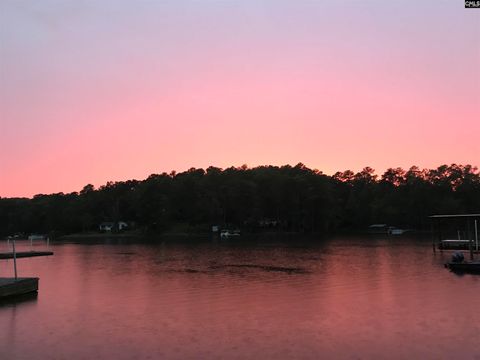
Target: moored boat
x,y
392,230
459,265
229,233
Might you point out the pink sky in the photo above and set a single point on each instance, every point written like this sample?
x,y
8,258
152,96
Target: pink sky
x,y
95,91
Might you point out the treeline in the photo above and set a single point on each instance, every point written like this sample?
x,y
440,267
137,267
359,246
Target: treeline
x,y
287,198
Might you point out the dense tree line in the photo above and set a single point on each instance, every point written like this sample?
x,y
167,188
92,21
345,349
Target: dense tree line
x,y
287,198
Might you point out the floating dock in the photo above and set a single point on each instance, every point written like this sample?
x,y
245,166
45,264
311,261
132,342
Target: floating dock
x,y
20,286
472,267
24,254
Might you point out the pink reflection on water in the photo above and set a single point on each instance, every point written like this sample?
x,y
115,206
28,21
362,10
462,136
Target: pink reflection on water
x,y
364,298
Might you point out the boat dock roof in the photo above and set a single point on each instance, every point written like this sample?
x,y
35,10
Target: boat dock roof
x,y
454,216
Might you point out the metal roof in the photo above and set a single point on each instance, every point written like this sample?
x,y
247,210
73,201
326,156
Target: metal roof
x,y
455,216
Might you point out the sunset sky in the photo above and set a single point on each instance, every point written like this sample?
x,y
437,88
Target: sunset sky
x,y
97,91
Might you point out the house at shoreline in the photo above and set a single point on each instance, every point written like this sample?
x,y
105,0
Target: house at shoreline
x,y
109,226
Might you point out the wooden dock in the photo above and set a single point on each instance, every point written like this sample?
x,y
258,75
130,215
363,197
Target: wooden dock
x,y
25,254
472,267
20,286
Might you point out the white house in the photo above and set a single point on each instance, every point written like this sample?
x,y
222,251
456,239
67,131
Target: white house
x,y
109,226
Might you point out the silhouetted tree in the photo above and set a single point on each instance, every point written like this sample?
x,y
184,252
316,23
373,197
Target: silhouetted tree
x,y
286,198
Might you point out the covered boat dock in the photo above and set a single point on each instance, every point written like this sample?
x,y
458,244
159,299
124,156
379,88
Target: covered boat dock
x,y
465,227
456,232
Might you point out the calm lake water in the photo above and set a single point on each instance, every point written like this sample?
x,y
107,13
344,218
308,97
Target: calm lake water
x,y
340,298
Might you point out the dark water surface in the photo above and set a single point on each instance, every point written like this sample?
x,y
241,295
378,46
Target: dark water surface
x,y
345,298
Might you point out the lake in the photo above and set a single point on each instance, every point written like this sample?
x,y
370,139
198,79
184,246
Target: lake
x,y
263,298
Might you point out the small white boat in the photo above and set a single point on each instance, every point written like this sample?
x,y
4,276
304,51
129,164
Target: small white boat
x,y
396,231
229,233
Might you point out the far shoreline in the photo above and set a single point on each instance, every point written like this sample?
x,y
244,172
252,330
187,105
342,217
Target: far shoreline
x,y
245,235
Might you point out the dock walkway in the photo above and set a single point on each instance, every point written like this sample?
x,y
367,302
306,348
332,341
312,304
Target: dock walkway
x,y
24,254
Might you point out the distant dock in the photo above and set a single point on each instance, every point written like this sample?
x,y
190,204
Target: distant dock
x,y
24,254
20,286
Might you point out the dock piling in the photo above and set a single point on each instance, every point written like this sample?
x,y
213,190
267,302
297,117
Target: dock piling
x,y
14,259
470,240
476,235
